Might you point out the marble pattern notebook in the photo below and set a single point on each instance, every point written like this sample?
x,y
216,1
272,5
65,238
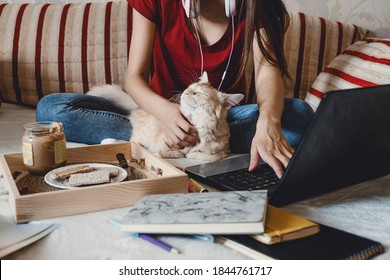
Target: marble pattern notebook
x,y
231,212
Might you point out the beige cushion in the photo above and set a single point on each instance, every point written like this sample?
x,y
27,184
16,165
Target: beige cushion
x,y
48,48
365,63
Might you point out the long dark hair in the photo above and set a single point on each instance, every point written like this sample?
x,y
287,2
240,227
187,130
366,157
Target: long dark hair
x,y
267,21
272,17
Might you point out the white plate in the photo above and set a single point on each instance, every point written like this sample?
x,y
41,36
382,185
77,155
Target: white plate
x,y
63,184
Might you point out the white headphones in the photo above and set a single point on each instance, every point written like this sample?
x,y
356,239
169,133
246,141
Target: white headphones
x,y
192,7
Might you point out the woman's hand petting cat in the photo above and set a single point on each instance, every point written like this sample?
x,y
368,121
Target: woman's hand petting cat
x,y
270,144
179,132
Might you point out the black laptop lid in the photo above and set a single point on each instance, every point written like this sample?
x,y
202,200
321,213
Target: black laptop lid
x,y
347,142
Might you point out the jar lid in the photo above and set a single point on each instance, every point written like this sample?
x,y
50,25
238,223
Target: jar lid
x,y
43,127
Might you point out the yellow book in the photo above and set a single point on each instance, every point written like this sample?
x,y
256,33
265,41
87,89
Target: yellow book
x,y
282,226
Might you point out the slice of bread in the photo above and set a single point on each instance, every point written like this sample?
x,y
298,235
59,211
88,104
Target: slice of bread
x,y
62,175
91,178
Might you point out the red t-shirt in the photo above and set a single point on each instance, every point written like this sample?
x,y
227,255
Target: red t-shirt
x,y
176,55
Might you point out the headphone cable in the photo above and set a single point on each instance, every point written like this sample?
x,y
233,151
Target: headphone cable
x,y
202,58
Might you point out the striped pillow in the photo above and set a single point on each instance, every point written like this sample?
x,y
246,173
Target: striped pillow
x,y
365,63
311,43
48,48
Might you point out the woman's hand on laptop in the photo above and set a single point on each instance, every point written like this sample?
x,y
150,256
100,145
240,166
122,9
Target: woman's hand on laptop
x,y
270,145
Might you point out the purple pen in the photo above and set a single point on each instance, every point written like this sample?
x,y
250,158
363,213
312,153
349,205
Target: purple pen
x,y
148,238
158,243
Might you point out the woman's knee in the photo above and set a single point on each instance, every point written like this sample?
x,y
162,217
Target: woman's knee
x,y
296,119
47,106
299,106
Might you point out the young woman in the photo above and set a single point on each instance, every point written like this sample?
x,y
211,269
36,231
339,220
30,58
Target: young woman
x,y
174,42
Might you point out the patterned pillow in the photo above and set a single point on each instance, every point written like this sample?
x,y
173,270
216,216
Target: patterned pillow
x,y
48,48
311,43
365,63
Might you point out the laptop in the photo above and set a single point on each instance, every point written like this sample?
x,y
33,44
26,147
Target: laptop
x,y
347,142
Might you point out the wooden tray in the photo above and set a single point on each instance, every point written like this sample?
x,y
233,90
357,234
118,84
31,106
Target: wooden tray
x,y
34,201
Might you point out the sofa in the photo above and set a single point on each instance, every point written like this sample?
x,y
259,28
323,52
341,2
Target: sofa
x,y
48,48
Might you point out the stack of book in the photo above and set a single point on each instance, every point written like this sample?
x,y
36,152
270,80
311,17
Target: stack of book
x,y
290,237
244,221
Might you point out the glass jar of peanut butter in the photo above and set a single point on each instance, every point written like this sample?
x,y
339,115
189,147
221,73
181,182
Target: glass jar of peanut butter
x,y
43,146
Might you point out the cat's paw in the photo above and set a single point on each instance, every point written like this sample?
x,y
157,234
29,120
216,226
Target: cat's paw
x,y
207,157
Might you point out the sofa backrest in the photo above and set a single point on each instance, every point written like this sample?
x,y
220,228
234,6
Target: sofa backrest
x,y
47,48
311,43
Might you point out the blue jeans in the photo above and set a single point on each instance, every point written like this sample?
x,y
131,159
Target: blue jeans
x,y
87,119
90,119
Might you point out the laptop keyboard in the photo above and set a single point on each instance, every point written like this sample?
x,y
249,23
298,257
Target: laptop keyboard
x,y
263,177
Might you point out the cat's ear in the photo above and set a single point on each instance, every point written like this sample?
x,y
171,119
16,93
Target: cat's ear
x,y
204,78
232,99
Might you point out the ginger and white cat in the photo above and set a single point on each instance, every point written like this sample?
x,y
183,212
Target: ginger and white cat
x,y
203,105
